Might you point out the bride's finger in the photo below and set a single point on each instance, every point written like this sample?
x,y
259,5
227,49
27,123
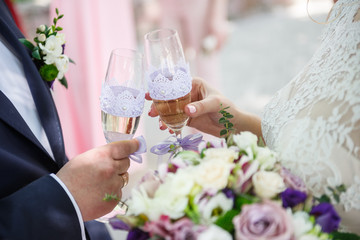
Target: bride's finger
x,y
210,104
162,125
153,112
147,96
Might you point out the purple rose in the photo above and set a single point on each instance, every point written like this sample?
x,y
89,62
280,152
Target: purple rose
x,y
137,234
292,181
326,217
291,197
181,229
266,220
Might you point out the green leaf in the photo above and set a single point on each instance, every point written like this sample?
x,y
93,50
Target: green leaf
x,y
57,11
245,199
36,53
229,116
72,61
223,132
344,236
55,21
47,31
341,188
230,125
222,120
261,142
225,221
63,82
58,28
61,16
323,198
110,197
27,44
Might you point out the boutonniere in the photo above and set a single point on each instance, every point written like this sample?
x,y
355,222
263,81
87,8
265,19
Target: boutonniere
x,y
48,52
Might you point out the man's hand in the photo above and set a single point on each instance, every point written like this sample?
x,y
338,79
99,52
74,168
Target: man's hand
x,y
91,175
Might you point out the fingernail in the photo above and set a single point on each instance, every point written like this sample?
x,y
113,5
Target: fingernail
x,y
192,109
160,124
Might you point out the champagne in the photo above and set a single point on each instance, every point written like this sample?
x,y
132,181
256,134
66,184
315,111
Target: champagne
x,y
172,111
118,128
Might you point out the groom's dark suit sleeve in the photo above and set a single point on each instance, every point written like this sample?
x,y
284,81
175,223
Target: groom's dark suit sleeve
x,y
33,205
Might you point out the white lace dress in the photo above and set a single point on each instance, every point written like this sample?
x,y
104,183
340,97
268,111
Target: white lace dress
x,y
314,121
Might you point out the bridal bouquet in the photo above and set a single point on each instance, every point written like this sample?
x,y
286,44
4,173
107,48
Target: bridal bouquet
x,y
234,189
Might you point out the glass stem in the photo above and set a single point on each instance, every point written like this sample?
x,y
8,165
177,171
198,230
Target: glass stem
x,y
178,134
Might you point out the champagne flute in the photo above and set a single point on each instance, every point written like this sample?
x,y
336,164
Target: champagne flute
x,y
168,77
122,102
122,96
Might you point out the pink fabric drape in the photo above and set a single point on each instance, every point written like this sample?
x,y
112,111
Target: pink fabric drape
x,y
92,29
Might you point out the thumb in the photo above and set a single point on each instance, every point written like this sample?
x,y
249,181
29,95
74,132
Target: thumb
x,y
124,148
207,105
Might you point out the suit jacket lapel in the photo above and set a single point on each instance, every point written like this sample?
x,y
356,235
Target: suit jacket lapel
x,y
11,116
39,89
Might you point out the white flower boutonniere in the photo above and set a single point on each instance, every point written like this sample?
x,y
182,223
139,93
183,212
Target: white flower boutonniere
x,y
48,52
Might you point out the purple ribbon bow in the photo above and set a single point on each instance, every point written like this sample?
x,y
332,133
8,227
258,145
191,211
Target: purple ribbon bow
x,y
170,145
136,156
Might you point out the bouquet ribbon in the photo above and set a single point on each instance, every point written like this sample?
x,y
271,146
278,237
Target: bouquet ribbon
x,y
190,142
136,156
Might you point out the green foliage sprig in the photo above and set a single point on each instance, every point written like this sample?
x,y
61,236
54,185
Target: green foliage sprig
x,y
224,120
111,197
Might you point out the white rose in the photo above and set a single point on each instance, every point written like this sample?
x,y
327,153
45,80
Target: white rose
x,y
179,183
139,202
41,28
302,223
171,205
214,233
62,64
172,196
266,158
220,201
213,174
221,154
41,37
245,139
52,47
268,184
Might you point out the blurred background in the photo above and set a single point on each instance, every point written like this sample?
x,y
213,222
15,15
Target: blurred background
x,y
248,49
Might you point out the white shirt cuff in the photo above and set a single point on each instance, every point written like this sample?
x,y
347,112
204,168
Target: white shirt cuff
x,y
81,222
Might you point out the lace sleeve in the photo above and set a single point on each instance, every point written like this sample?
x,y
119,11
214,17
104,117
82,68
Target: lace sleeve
x,y
314,121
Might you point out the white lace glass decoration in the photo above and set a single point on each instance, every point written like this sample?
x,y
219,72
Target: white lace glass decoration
x,y
163,85
122,101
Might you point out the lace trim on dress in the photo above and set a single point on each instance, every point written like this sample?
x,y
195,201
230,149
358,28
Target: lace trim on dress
x,y
317,115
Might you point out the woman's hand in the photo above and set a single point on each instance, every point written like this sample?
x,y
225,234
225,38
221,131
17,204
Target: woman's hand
x,y
203,109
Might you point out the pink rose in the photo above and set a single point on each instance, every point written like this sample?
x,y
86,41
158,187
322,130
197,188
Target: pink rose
x,y
179,230
266,220
292,181
150,182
